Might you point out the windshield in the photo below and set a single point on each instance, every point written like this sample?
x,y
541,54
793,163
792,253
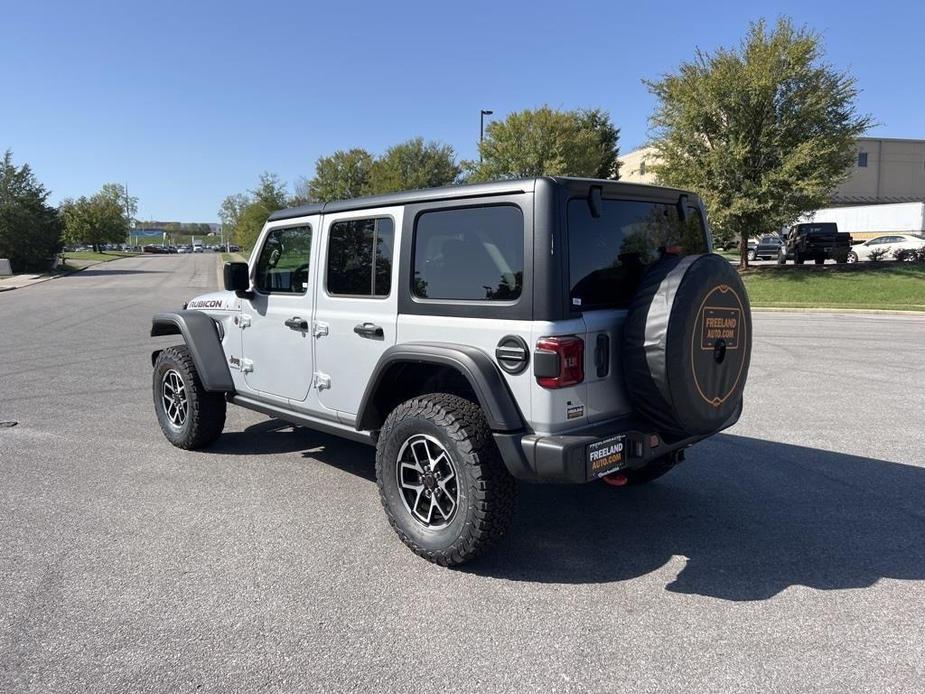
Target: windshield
x,y
609,254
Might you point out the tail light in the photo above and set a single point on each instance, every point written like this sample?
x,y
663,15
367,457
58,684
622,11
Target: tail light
x,y
559,361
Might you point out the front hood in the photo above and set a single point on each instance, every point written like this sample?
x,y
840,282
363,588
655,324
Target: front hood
x,y
215,301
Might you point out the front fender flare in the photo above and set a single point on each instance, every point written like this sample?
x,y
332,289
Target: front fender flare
x,y
473,364
201,337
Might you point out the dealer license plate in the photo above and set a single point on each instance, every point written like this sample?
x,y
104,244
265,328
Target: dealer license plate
x,y
607,455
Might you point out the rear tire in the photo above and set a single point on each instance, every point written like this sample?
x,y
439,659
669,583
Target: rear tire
x,y
820,261
441,479
852,257
190,416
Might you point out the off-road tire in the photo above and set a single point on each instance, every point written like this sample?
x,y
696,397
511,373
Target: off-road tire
x,y
205,417
486,490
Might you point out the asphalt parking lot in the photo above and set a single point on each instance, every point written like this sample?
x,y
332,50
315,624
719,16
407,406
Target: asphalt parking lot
x,y
787,554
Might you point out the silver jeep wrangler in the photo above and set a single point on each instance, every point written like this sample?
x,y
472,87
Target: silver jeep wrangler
x,y
548,329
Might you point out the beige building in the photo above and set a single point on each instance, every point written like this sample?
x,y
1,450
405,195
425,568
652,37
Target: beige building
x,y
885,170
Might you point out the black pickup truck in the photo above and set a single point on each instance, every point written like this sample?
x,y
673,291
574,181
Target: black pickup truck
x,y
815,241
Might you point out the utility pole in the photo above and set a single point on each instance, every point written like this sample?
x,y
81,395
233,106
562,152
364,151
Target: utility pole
x,y
482,130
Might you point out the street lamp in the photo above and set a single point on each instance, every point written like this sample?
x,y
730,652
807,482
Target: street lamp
x,y
482,129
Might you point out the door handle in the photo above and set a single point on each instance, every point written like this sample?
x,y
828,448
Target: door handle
x,y
297,323
368,330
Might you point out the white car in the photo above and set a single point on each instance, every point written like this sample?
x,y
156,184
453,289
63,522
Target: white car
x,y
893,247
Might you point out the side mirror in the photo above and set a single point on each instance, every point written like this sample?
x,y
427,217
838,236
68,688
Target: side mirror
x,y
237,279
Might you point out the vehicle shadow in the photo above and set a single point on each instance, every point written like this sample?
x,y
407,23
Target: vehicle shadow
x,y
275,436
744,518
90,272
747,518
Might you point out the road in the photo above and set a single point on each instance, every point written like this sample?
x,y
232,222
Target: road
x,y
785,555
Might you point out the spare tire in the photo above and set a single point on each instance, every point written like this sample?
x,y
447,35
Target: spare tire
x,y
687,343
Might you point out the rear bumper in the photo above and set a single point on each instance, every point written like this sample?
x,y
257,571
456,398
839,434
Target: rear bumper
x,y
566,457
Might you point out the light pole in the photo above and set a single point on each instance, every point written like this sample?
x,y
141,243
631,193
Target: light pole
x,y
482,129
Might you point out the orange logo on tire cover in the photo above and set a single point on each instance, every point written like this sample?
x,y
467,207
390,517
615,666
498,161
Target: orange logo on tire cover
x,y
720,331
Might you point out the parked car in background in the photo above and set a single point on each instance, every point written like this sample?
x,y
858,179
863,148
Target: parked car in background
x,y
904,247
767,248
817,242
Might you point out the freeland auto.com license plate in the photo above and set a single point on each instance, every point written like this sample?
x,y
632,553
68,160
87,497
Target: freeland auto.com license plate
x,y
607,455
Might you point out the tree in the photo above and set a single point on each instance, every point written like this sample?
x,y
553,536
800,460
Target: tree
x,y
548,142
231,210
270,192
341,176
764,132
258,204
119,193
30,231
95,220
412,165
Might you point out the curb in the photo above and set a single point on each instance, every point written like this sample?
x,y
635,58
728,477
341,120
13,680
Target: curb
x,y
806,309
67,274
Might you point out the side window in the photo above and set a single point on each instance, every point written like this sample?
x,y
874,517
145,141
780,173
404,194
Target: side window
x,y
282,267
360,257
469,254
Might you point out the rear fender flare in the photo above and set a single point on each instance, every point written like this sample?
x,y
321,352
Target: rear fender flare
x,y
473,364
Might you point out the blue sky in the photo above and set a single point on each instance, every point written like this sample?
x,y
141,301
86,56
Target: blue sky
x,y
188,102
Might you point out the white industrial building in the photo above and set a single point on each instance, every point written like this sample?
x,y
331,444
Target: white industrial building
x,y
885,170
884,191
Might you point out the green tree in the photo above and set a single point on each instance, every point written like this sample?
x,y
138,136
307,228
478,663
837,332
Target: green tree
x,y
412,165
340,176
266,198
231,210
30,230
548,142
95,220
764,132
119,193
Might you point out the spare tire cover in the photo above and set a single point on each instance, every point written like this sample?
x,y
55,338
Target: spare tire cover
x,y
687,344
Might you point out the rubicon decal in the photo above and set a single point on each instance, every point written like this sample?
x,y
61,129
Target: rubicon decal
x,y
207,303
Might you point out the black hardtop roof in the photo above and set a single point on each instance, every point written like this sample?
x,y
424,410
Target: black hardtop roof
x,y
461,192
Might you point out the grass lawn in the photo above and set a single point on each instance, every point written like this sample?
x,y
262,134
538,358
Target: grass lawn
x,y
92,255
890,285
233,258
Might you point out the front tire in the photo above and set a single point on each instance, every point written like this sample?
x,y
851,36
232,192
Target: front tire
x,y
189,415
441,479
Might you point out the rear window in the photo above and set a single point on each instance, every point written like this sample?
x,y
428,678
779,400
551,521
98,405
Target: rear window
x,y
609,254
811,229
469,254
